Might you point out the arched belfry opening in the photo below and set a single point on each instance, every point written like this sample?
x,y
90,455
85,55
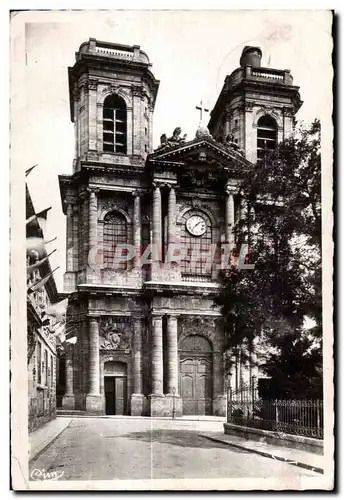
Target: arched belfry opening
x,y
115,124
266,136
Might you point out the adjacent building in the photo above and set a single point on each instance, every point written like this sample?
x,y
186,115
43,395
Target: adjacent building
x,y
150,340
41,344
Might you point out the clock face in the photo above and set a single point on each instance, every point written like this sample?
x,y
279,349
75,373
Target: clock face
x,y
196,225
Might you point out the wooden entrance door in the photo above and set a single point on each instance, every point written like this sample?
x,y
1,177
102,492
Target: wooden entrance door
x,y
196,386
196,377
115,395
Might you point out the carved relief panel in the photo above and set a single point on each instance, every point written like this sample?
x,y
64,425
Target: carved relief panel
x,y
115,333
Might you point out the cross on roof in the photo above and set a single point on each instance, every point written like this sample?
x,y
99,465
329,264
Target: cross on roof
x,y
202,109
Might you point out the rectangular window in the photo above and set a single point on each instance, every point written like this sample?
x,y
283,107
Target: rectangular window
x,y
39,363
114,130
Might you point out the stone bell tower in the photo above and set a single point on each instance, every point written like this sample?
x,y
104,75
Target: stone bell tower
x,y
256,106
112,97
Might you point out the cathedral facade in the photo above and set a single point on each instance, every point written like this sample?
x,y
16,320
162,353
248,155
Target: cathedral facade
x,y
147,231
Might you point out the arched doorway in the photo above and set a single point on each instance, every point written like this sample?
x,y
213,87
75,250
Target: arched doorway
x,y
196,381
115,388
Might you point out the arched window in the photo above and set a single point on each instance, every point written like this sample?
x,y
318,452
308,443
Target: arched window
x,y
115,233
266,136
115,125
196,237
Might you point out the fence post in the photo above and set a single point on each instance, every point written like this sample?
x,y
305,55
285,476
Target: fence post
x,y
253,393
318,416
277,414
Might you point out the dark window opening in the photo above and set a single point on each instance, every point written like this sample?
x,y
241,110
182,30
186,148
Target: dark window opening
x,y
115,125
266,136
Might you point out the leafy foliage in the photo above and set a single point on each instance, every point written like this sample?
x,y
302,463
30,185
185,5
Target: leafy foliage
x,y
282,225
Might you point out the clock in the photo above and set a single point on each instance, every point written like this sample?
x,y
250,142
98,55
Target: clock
x,y
196,225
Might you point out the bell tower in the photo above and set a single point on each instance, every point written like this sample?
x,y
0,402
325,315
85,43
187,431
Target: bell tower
x,y
112,97
256,106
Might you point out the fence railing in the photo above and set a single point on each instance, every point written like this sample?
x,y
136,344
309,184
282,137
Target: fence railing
x,y
292,416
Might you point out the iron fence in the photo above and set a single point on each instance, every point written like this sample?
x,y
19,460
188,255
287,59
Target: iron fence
x,y
292,416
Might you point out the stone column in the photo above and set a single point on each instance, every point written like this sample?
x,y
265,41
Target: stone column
x,y
150,127
92,114
172,355
230,214
92,225
227,126
137,120
93,218
93,398
219,389
76,237
172,210
68,400
137,228
157,403
69,237
137,398
157,219
157,356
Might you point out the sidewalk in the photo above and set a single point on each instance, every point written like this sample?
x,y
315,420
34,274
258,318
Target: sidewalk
x,y
45,435
300,458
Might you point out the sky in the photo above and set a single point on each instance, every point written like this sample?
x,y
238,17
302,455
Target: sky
x,y
191,53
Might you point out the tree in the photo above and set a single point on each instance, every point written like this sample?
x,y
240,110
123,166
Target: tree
x,y
282,225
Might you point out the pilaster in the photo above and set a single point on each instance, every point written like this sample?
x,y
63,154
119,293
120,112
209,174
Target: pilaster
x,y
137,229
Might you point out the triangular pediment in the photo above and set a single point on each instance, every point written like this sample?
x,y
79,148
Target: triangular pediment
x,y
205,152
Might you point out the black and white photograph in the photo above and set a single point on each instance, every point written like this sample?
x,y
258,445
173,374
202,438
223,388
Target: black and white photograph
x,y
171,250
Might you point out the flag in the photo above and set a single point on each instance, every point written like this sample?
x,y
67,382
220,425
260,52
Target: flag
x,y
40,283
30,170
43,213
58,331
72,340
39,262
62,337
34,243
53,328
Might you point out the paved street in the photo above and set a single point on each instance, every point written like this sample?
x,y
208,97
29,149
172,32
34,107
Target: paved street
x,y
125,448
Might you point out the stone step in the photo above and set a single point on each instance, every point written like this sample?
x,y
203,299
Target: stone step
x,y
61,412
